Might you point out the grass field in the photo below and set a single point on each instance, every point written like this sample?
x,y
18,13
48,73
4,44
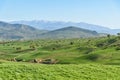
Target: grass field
x,y
30,71
64,59
102,50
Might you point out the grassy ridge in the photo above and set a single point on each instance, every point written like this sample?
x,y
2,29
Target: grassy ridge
x,y
27,71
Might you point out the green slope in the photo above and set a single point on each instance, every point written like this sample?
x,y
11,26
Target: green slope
x,y
65,51
69,32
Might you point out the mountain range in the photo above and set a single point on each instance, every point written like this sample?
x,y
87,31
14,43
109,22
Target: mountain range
x,y
53,25
69,32
18,31
21,31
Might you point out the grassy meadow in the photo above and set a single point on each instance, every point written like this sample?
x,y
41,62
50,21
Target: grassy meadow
x,y
31,71
63,59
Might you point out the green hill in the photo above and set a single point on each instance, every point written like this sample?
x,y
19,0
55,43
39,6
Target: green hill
x,y
69,32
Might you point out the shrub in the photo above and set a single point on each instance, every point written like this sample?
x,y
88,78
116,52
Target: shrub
x,y
53,48
32,46
108,35
71,43
93,57
18,48
110,41
89,50
117,48
100,44
18,59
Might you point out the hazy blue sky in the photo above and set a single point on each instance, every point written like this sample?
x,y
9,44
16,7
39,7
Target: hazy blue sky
x,y
101,12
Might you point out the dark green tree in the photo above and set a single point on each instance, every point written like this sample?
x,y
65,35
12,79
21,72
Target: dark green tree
x,y
108,35
118,34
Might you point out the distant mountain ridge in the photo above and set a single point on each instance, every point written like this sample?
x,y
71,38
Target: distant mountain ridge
x,y
53,25
20,31
70,32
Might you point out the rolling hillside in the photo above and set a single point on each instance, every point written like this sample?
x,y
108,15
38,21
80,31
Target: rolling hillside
x,y
69,32
104,50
